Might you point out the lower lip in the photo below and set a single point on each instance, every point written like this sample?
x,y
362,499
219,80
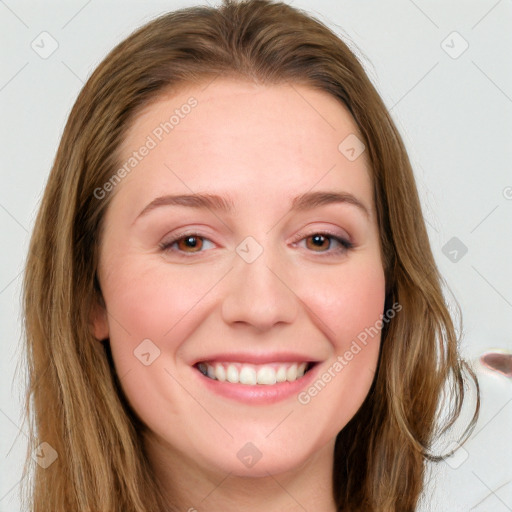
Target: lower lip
x,y
259,394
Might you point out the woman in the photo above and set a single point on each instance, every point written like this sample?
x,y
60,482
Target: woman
x,y
230,298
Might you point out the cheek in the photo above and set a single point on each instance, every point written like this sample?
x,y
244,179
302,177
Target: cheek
x,y
349,300
148,300
349,311
152,310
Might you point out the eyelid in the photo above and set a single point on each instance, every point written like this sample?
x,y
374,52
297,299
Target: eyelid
x,y
320,231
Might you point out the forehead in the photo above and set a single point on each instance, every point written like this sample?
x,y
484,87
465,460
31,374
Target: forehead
x,y
234,136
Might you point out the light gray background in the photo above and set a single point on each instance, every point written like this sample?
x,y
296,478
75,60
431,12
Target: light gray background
x,y
453,109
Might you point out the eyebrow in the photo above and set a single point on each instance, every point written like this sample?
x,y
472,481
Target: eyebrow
x,y
304,202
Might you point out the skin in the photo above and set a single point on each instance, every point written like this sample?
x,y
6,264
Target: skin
x,y
261,146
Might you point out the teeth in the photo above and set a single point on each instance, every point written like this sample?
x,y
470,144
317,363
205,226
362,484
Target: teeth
x,y
220,373
266,375
232,374
250,374
291,373
281,374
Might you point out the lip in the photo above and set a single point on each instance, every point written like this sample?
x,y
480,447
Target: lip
x,y
252,358
258,394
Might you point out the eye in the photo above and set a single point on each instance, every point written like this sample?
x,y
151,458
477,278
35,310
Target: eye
x,y
323,243
189,243
320,242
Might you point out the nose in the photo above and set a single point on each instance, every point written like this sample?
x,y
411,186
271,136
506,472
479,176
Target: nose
x,y
260,293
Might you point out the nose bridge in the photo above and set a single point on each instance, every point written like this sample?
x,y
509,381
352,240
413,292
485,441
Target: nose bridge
x,y
258,292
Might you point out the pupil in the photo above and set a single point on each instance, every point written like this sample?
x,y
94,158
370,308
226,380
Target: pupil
x,y
190,242
319,240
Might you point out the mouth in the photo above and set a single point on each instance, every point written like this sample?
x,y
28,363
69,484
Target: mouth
x,y
267,374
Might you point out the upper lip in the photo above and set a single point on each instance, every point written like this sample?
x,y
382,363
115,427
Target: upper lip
x,y
254,358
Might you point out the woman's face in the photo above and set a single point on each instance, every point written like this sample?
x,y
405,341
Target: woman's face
x,y
242,242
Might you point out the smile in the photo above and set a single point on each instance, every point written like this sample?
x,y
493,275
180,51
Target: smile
x,y
254,374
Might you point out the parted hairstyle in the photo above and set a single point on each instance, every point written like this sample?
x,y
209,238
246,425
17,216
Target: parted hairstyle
x,y
74,400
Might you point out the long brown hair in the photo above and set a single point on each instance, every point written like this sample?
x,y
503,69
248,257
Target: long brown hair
x,y
74,401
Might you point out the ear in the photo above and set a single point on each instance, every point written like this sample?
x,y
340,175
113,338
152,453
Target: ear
x,y
99,321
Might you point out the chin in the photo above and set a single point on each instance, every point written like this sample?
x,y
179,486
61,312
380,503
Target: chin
x,y
260,458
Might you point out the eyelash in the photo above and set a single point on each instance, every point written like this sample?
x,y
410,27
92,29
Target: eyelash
x,y
345,244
